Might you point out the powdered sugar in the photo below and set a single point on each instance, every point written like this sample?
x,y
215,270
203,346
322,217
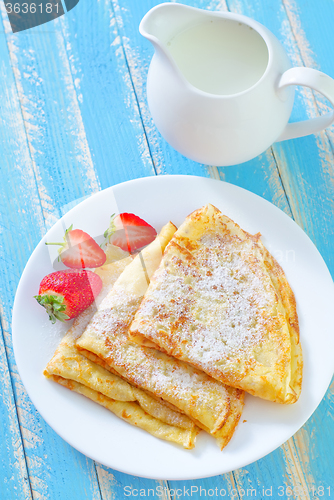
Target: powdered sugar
x,y
191,391
216,302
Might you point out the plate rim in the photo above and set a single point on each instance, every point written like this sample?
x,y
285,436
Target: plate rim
x,y
159,178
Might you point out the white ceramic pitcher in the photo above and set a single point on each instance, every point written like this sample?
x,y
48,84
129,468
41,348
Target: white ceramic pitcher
x,y
220,86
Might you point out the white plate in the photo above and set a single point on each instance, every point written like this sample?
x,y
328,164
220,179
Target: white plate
x,y
100,435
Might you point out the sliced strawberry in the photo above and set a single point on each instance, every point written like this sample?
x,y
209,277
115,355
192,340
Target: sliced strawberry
x,y
65,294
79,250
129,232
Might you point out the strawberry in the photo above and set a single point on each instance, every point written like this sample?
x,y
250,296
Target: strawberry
x,y
129,232
80,250
65,294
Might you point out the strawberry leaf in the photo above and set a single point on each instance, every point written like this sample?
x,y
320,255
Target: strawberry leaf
x,y
69,229
54,306
64,243
111,229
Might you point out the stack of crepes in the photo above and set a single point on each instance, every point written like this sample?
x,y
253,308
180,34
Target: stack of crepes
x,y
180,331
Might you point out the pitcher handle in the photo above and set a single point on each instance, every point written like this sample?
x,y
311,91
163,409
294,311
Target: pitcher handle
x,y
316,80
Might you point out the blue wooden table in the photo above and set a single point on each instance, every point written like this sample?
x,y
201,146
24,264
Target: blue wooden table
x,y
74,120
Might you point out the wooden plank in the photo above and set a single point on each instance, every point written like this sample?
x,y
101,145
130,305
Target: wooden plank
x,y
215,487
310,181
305,164
26,206
14,481
116,485
106,100
314,182
138,53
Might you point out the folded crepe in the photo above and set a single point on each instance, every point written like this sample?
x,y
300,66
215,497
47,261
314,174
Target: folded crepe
x,y
73,370
221,302
207,402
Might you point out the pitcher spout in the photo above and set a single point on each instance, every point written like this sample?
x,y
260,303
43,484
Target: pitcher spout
x,y
165,21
